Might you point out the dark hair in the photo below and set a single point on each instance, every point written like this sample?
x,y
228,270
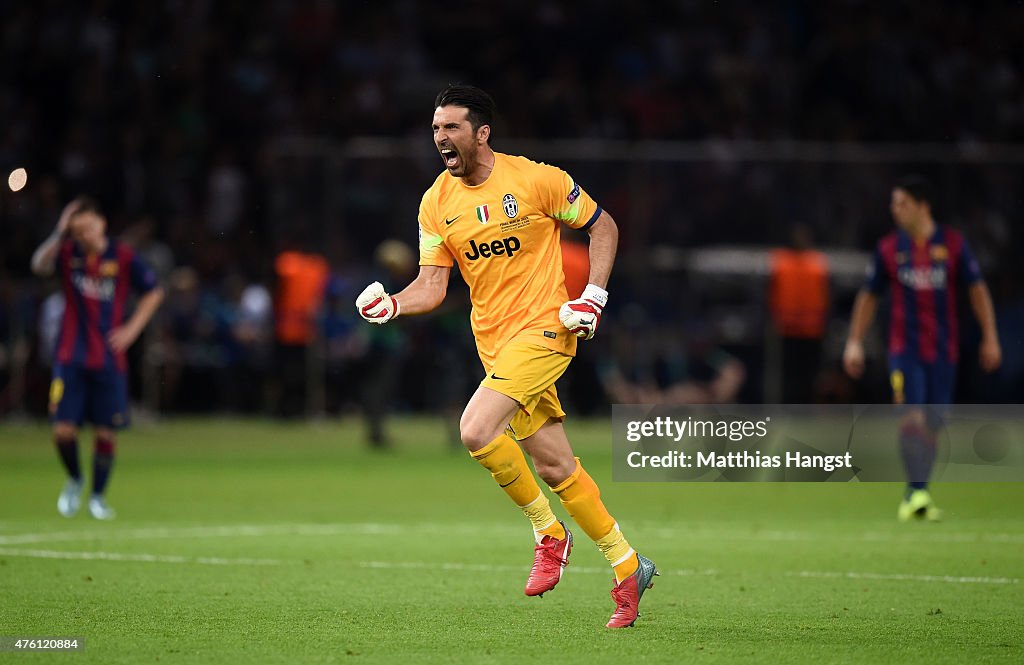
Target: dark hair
x,y
479,103
919,188
88,204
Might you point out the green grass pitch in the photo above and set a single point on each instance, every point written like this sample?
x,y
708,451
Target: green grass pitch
x,y
263,542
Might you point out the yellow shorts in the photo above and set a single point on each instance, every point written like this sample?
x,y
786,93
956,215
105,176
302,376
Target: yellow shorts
x,y
527,373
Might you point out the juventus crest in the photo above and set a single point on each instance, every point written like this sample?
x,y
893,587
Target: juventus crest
x,y
510,205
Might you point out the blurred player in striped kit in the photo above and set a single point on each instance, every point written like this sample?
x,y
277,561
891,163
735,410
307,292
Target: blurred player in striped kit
x,y
922,262
90,383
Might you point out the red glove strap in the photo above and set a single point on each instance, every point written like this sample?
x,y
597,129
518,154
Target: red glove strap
x,y
367,308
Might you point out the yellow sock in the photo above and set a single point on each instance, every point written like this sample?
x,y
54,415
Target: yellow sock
x,y
544,521
582,498
625,565
507,464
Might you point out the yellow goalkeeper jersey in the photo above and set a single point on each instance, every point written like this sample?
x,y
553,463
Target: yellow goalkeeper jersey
x,y
504,236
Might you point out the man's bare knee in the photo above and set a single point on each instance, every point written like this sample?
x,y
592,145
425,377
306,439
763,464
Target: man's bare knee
x,y
475,435
485,418
64,431
913,418
554,472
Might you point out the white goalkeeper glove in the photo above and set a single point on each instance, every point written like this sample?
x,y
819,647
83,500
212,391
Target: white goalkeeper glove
x,y
581,316
375,305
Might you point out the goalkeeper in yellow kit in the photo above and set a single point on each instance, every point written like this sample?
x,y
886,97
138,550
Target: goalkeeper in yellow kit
x,y
498,216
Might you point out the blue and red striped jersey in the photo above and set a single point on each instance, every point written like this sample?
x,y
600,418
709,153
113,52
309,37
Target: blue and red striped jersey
x,y
96,290
923,276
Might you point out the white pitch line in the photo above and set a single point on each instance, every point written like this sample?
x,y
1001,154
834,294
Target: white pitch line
x,y
474,567
494,568
709,572
137,558
256,531
774,536
393,529
902,577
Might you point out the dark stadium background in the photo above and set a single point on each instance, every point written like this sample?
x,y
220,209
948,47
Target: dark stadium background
x,y
216,134
219,133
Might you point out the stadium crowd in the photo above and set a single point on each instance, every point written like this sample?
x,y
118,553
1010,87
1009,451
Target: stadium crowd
x,y
169,114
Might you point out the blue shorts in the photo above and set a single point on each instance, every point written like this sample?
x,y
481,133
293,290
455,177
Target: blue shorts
x,y
916,382
79,395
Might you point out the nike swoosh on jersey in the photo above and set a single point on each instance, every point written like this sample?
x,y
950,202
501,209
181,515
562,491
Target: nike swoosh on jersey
x,y
498,378
449,222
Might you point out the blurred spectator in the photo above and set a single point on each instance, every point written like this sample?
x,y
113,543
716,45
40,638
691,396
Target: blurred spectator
x,y
301,284
798,299
228,121
387,346
579,386
194,351
51,312
142,236
345,344
225,189
575,265
250,312
455,370
654,368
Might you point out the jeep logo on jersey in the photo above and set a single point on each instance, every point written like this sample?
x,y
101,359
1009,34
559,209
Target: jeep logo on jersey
x,y
504,247
508,202
483,214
